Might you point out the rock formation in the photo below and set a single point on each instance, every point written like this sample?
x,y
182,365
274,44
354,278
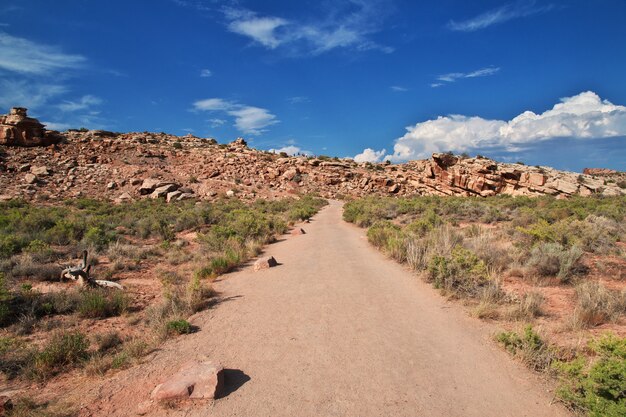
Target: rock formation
x,y
17,129
131,166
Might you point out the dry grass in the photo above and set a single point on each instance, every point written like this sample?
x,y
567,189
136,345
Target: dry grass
x,y
596,305
527,307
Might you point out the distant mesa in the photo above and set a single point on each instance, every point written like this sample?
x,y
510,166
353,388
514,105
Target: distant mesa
x,y
17,129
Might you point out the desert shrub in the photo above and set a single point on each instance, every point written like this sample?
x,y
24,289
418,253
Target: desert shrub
x,y
26,407
596,386
527,307
5,300
26,266
178,327
98,303
462,272
177,145
108,341
529,346
596,304
390,238
63,351
553,259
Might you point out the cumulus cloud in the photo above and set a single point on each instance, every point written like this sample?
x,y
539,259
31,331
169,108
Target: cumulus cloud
x,y
584,116
370,155
349,24
205,73
498,15
250,120
27,57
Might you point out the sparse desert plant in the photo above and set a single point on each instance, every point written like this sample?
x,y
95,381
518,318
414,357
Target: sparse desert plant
x,y
63,351
553,259
461,273
530,347
108,341
527,307
596,304
97,303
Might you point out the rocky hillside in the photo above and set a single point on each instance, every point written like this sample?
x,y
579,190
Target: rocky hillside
x,y
157,165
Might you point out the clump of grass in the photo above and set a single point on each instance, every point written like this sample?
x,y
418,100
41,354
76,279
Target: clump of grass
x,y
596,305
108,341
596,386
97,303
27,407
528,307
529,347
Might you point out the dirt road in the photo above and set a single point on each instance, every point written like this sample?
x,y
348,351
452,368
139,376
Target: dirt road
x,y
338,330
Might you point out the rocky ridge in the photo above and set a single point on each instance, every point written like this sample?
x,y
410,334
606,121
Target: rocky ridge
x,y
130,166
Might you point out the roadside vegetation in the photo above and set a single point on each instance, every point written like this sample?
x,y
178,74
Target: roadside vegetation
x,y
165,255
543,267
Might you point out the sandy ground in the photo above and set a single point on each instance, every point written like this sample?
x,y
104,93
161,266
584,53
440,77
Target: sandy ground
x,y
335,330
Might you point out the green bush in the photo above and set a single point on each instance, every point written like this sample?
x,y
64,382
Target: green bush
x,y
179,327
596,386
461,272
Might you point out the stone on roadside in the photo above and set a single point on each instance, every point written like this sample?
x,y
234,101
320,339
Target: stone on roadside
x,y
265,263
194,380
298,231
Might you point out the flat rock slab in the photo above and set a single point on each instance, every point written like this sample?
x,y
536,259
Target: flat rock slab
x,y
265,263
195,380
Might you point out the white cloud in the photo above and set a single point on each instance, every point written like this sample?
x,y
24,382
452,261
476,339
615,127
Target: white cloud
x,y
84,103
250,120
260,29
584,116
298,99
57,126
291,150
454,76
205,73
370,155
212,104
217,122
349,24
499,15
23,93
27,57
399,89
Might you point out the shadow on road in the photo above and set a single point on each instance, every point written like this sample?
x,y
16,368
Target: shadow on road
x,y
233,380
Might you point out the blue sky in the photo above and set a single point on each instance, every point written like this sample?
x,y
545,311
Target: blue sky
x,y
371,79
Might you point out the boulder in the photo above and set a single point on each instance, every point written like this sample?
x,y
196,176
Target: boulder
x,y
41,170
150,184
172,195
265,263
30,178
163,190
124,197
194,380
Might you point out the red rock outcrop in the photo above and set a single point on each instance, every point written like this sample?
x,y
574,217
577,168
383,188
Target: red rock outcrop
x,y
130,166
17,129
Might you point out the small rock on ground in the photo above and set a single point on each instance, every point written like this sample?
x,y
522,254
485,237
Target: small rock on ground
x,y
195,380
265,263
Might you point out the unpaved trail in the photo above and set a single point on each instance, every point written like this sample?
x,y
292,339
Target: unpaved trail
x,y
337,330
